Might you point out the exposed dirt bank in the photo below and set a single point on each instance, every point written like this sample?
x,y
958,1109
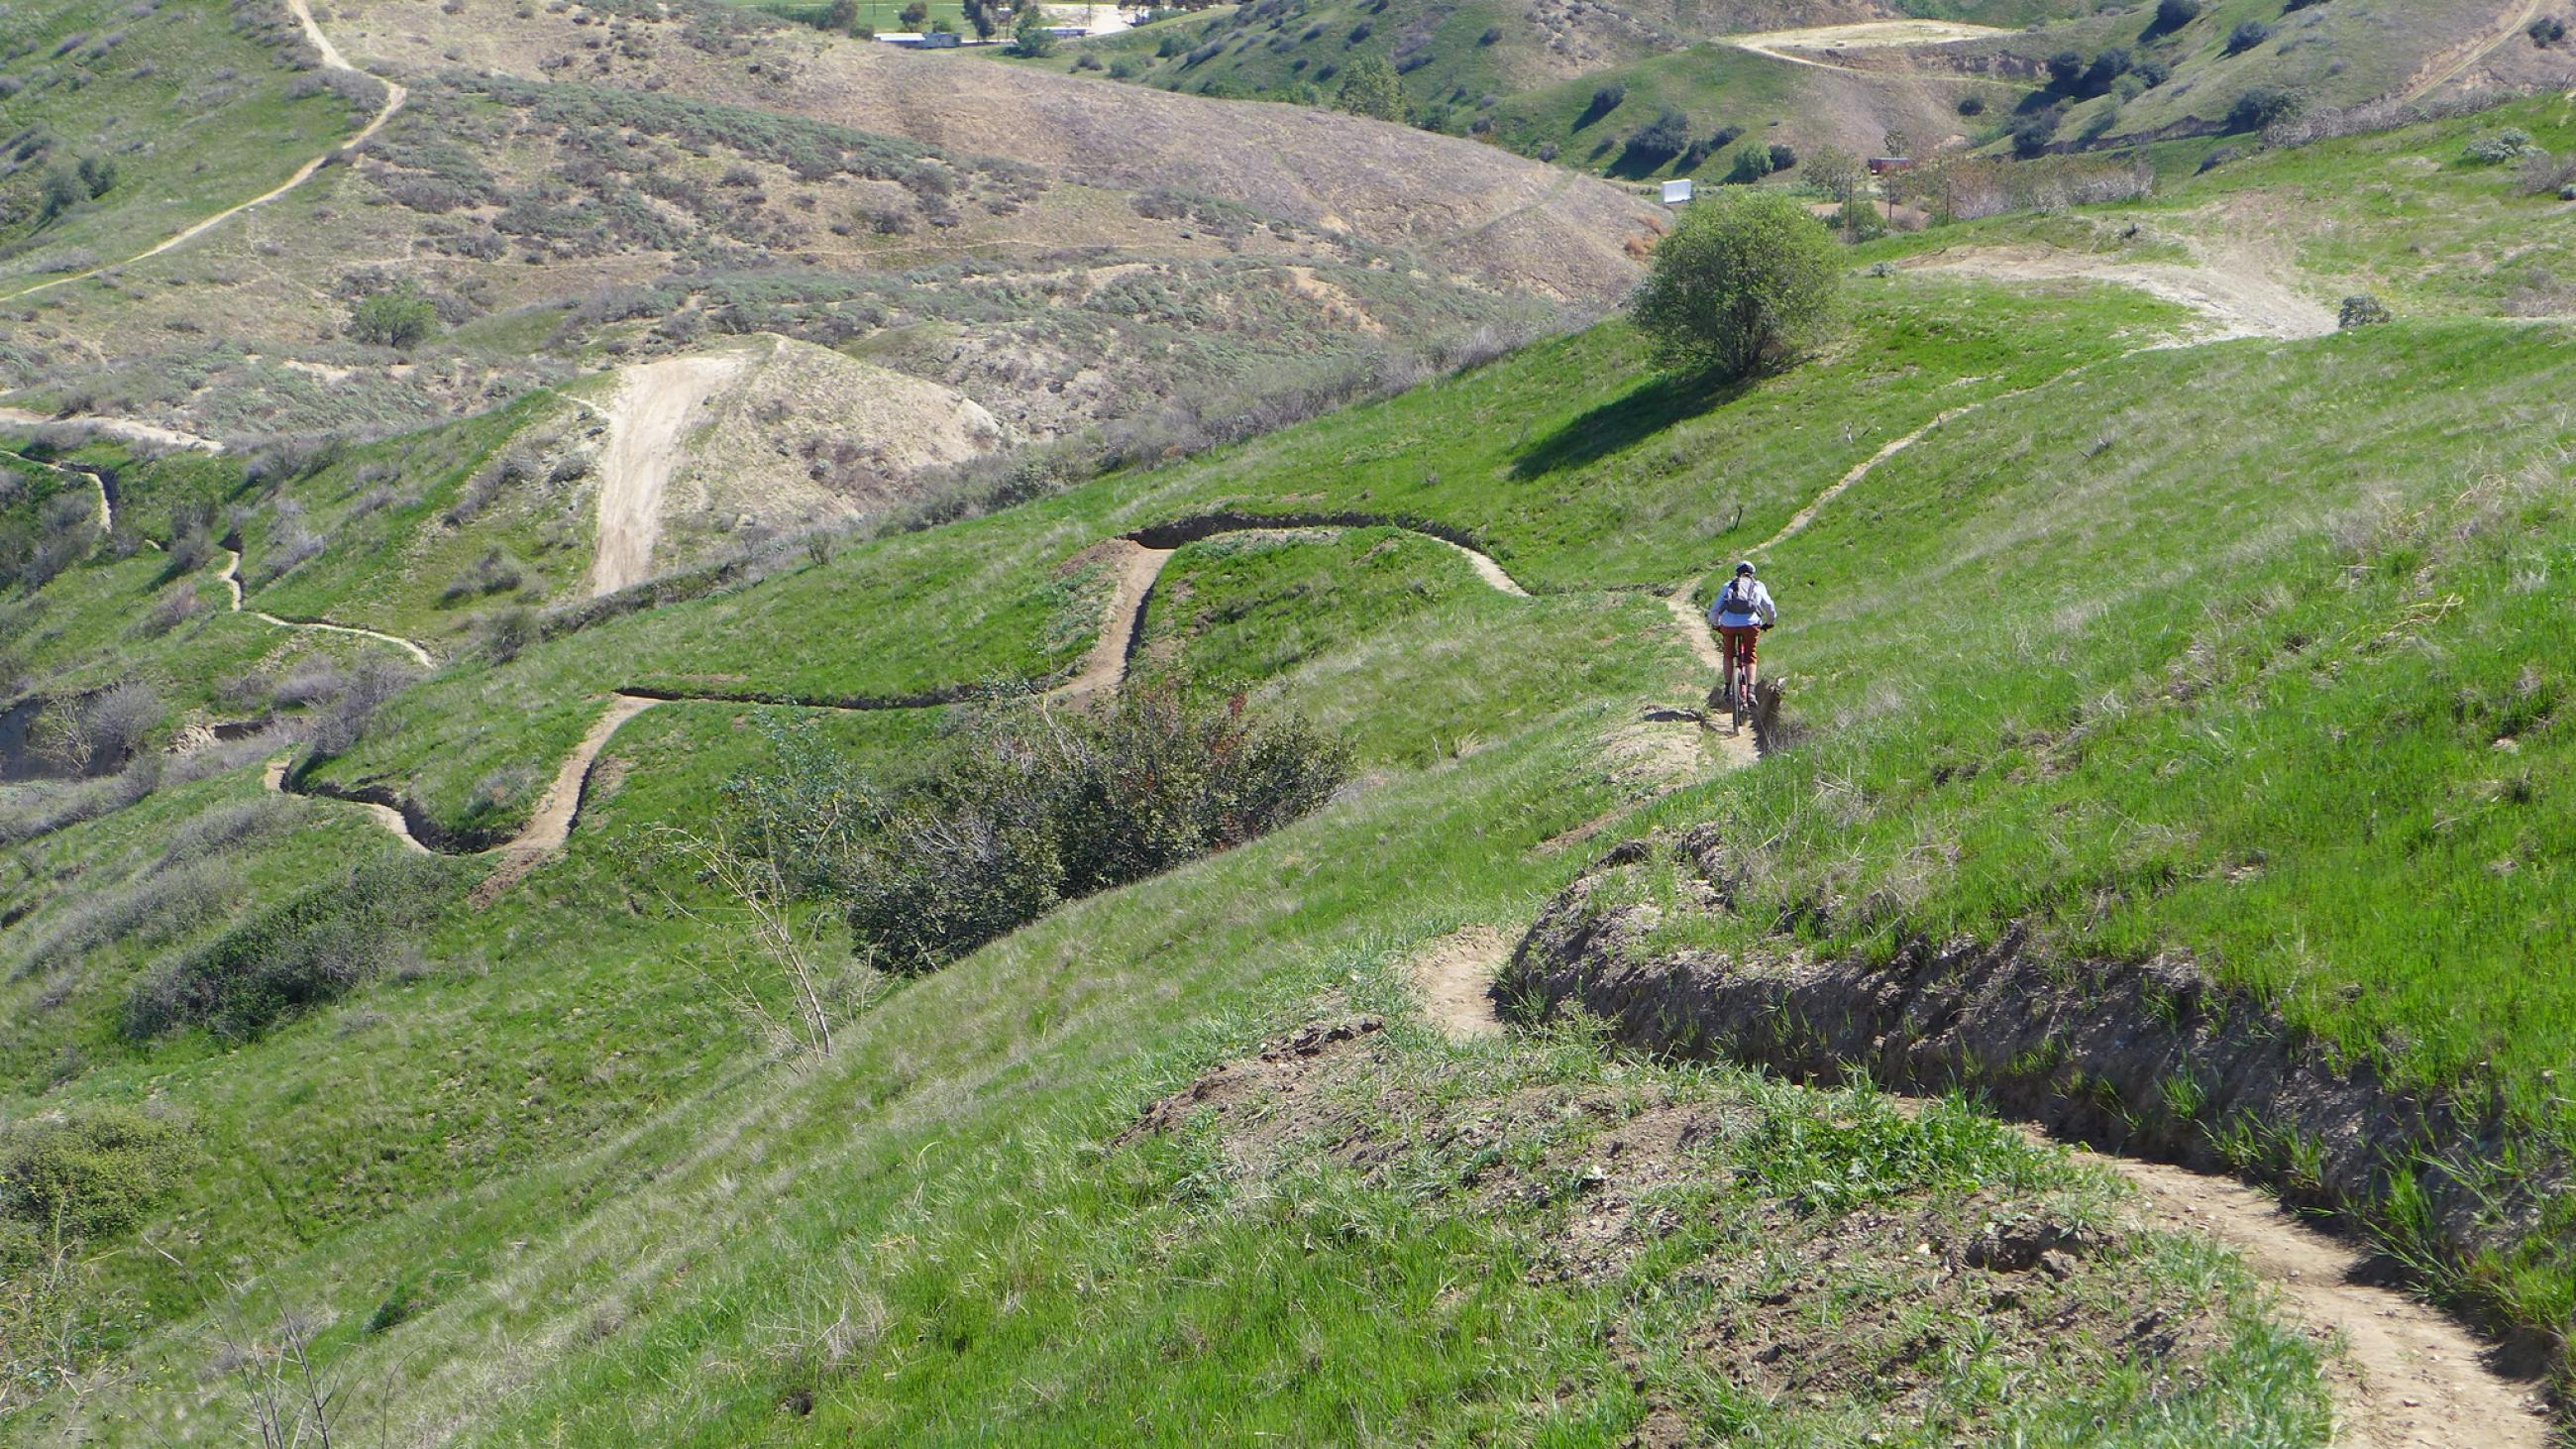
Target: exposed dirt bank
x,y
124,428
2144,1059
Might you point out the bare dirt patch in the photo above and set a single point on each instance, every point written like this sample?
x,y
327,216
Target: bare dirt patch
x,y
648,422
1455,975
2242,293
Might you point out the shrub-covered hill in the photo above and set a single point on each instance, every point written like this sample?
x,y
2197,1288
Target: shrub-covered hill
x,y
2136,652
513,225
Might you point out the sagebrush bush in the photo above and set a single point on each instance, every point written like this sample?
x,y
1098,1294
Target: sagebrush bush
x,y
2510,144
307,951
2361,310
1041,806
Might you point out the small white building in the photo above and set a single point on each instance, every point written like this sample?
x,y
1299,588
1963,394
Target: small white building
x,y
1677,193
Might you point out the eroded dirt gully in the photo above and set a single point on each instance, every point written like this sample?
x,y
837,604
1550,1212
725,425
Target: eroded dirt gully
x,y
2091,1053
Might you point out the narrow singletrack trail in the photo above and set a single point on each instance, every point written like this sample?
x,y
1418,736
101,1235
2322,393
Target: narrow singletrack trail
x,y
2448,66
648,421
1133,569
233,585
331,58
2409,1377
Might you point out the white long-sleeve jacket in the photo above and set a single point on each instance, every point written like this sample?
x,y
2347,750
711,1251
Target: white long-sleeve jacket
x,y
1762,612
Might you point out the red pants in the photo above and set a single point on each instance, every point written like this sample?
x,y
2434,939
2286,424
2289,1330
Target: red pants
x,y
1735,642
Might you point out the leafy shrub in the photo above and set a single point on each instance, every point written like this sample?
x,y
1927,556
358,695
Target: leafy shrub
x,y
2175,14
310,950
1041,806
1033,38
2510,144
1742,284
2361,310
1782,158
2152,72
397,317
2262,106
1605,99
1661,139
2247,35
2066,72
1493,36
87,1175
2546,31
1752,163
1972,105
2218,156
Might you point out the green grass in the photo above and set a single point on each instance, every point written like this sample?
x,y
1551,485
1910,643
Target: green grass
x,y
2401,214
1715,85
186,142
2204,650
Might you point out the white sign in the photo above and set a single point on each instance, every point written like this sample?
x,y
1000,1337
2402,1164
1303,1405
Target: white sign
x,y
1677,193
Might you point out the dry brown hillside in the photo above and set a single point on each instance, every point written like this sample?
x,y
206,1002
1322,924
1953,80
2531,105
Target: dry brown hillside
x,y
1495,217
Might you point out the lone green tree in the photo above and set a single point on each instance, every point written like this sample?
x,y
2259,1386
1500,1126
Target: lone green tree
x,y
1033,38
1745,282
397,317
1370,87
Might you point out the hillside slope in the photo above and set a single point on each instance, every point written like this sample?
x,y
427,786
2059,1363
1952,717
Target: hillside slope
x,y
2170,744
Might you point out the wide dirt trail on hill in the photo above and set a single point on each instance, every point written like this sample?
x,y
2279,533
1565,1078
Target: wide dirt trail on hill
x,y
648,422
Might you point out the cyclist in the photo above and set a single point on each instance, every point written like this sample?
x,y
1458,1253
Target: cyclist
x,y
1742,611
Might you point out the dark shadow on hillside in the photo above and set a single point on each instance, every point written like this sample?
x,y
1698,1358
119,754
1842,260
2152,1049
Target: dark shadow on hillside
x,y
1645,410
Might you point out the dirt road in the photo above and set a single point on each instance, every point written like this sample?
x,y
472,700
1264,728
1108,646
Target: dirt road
x,y
331,59
655,405
1868,35
2442,69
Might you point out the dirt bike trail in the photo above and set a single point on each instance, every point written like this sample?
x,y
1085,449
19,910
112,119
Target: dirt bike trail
x,y
1134,565
332,59
648,421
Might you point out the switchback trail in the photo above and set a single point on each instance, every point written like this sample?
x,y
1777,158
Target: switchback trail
x,y
1132,567
233,585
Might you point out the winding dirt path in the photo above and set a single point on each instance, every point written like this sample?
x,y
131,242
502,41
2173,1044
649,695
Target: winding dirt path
x,y
1134,568
332,59
233,584
2408,1378
647,421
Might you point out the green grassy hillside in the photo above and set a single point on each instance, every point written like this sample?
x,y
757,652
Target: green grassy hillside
x,y
182,109
2249,654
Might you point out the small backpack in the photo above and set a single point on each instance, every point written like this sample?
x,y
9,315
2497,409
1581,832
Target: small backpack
x,y
1738,598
